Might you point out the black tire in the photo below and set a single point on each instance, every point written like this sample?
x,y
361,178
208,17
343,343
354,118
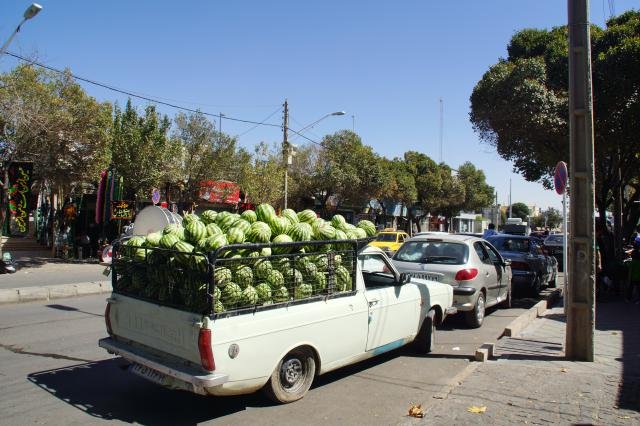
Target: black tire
x,y
475,317
506,303
292,377
425,339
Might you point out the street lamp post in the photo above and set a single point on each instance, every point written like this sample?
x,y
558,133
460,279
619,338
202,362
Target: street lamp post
x,y
28,14
286,146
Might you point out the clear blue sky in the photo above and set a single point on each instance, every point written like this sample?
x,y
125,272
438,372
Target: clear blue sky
x,y
387,64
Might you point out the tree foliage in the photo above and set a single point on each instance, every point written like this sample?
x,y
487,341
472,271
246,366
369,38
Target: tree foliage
x,y
520,106
520,210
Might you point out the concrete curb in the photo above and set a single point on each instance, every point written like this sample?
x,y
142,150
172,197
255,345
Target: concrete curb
x,y
52,292
517,325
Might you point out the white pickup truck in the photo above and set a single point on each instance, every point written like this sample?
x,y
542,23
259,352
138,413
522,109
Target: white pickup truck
x,y
280,347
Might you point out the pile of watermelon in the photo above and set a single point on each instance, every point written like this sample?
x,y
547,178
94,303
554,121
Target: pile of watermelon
x,y
173,266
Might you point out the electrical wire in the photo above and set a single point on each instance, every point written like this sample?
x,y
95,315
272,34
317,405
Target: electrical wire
x,y
133,95
262,122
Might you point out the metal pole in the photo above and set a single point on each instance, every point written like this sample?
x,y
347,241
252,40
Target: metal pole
x,y
565,266
581,301
285,149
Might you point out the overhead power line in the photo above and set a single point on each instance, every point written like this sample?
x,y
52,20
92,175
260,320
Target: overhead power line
x,y
134,95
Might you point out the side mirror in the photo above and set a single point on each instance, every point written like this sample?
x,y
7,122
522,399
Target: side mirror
x,y
404,278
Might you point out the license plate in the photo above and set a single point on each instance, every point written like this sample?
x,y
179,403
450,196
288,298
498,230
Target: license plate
x,y
148,373
432,277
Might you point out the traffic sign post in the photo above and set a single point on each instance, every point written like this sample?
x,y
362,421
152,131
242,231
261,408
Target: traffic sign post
x,y
560,177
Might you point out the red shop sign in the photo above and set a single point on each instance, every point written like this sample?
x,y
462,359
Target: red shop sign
x,y
220,192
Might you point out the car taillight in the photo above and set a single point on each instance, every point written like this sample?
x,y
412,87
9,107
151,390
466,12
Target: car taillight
x,y
107,318
466,274
520,266
206,351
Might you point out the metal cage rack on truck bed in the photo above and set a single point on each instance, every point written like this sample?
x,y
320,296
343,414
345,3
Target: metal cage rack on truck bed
x,y
237,279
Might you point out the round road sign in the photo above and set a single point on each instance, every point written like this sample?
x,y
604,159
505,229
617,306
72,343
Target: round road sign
x,y
560,177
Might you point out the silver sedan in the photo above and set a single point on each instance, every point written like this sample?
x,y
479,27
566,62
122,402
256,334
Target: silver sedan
x,y
479,275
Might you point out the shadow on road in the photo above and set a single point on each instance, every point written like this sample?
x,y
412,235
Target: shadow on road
x,y
105,390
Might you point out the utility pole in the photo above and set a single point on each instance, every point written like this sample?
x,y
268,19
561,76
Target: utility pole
x,y
510,204
581,296
441,127
285,149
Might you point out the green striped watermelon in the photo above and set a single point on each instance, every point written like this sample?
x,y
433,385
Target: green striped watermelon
x,y
279,225
278,239
307,216
184,250
208,216
300,232
215,242
264,292
265,212
249,215
194,231
235,236
368,227
213,229
259,232
338,221
168,240
291,215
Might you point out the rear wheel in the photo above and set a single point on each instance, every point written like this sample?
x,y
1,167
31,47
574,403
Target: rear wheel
x,y
425,340
475,317
293,376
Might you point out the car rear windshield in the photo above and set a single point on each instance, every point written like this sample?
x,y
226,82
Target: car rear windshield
x,y
441,252
386,237
511,244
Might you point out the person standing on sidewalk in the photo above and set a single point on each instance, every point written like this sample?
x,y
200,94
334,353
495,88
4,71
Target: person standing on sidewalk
x,y
491,230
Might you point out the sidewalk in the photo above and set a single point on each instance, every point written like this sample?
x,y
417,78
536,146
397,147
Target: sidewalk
x,y
41,277
532,383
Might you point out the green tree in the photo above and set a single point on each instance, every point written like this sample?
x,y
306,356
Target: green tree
x,y
520,210
262,177
520,106
142,152
48,119
477,193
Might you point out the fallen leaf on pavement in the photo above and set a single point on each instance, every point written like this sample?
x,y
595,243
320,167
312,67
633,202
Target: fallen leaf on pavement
x,y
564,370
416,411
438,397
624,417
477,409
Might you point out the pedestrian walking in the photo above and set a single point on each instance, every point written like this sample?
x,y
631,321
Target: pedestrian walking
x,y
491,230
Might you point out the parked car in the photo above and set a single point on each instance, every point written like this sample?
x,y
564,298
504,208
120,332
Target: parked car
x,y
530,266
480,276
389,240
555,245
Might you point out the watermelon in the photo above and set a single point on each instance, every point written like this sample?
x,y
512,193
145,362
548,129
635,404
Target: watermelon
x,y
300,232
243,276
188,218
281,294
360,233
303,290
319,282
343,279
264,292
324,232
262,269
275,279
184,250
368,227
153,239
259,232
216,293
218,307
172,228
308,216
291,215
249,215
227,222
243,225
282,238
265,212
249,296
338,221
215,242
279,225
294,277
194,231
208,216
221,276
213,229
308,269
235,236
231,294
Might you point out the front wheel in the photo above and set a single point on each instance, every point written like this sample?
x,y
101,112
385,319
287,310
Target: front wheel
x,y
293,376
475,317
425,340
506,303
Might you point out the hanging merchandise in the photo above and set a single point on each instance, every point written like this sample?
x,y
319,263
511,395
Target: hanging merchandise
x,y
99,198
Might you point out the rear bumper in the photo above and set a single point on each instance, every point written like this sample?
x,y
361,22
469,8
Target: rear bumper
x,y
177,376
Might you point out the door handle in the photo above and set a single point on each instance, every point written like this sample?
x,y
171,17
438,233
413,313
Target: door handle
x,y
373,302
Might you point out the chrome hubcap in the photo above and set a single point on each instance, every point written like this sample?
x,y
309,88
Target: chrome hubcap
x,y
480,310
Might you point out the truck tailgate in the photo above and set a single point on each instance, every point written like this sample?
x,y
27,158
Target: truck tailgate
x,y
160,328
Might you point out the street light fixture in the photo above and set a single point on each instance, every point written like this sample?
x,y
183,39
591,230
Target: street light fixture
x,y
287,147
31,11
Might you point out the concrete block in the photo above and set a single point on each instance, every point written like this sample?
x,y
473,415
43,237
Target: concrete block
x,y
482,354
9,296
63,290
29,294
541,307
518,324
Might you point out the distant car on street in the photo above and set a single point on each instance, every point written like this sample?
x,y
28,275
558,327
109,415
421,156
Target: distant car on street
x,y
480,276
555,245
532,269
389,240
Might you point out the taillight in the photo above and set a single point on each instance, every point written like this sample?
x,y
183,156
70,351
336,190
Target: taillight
x,y
206,352
521,266
107,318
466,274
